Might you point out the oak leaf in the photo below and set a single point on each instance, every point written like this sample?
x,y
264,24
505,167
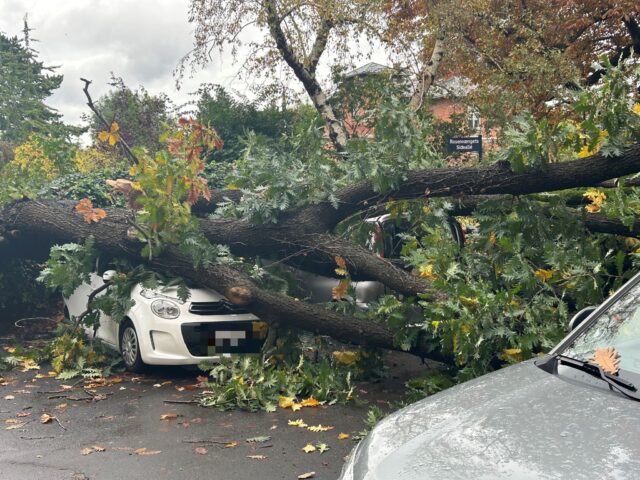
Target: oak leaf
x,y
607,358
340,291
90,214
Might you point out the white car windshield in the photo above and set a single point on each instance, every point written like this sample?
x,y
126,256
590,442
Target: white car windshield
x,y
616,328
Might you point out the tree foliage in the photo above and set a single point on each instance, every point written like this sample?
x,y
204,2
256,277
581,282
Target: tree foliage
x,y
25,84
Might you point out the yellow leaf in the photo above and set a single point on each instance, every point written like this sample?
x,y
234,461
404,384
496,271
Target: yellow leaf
x,y
295,407
103,136
320,428
346,357
286,402
114,127
231,445
168,416
543,275
308,448
343,436
636,108
10,349
297,423
514,354
310,402
426,271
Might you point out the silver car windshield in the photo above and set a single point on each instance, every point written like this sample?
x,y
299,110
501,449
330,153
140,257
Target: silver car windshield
x,y
618,327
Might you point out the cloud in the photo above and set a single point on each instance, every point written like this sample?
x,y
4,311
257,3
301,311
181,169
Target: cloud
x,y
141,41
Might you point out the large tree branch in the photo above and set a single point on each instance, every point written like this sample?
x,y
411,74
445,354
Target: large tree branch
x,y
57,222
307,77
428,74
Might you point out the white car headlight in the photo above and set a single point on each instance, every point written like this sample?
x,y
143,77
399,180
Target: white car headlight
x,y
165,308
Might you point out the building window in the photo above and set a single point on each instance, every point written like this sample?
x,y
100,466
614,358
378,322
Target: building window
x,y
473,119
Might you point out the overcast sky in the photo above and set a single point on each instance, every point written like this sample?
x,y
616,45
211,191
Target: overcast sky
x,y
138,40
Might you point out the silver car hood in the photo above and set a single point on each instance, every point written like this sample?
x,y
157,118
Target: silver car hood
x,y
517,423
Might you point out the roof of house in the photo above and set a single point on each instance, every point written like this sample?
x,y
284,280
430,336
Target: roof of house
x,y
371,68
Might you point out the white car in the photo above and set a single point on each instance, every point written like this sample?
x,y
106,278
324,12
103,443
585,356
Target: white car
x,y
161,329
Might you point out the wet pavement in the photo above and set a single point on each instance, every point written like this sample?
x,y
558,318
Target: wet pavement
x,y
115,430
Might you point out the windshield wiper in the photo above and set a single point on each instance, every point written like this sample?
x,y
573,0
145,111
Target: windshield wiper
x,y
621,385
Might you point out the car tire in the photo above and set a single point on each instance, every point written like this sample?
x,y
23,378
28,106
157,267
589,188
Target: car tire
x,y
130,348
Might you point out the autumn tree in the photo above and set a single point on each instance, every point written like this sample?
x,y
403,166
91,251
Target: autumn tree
x,y
139,114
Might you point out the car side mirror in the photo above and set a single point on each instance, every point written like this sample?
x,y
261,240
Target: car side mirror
x,y
578,318
108,276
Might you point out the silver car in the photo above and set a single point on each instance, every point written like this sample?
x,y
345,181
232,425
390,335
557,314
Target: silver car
x,y
571,414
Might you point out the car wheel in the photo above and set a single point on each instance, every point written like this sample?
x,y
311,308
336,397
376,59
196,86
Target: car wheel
x,y
130,348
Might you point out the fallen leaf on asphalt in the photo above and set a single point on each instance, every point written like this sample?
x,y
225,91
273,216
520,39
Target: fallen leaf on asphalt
x,y
306,475
320,428
61,407
168,416
11,421
286,402
297,423
66,387
166,382
323,447
10,349
201,450
157,385
343,436
308,448
46,418
273,427
98,448
86,451
196,420
28,364
185,424
260,439
23,414
231,445
257,457
9,397
310,402
144,451
15,426
295,407
180,389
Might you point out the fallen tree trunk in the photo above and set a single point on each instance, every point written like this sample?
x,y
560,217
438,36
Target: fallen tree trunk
x,y
57,222
303,234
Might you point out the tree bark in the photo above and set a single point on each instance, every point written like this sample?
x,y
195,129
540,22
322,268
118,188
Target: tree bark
x,y
307,73
57,222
